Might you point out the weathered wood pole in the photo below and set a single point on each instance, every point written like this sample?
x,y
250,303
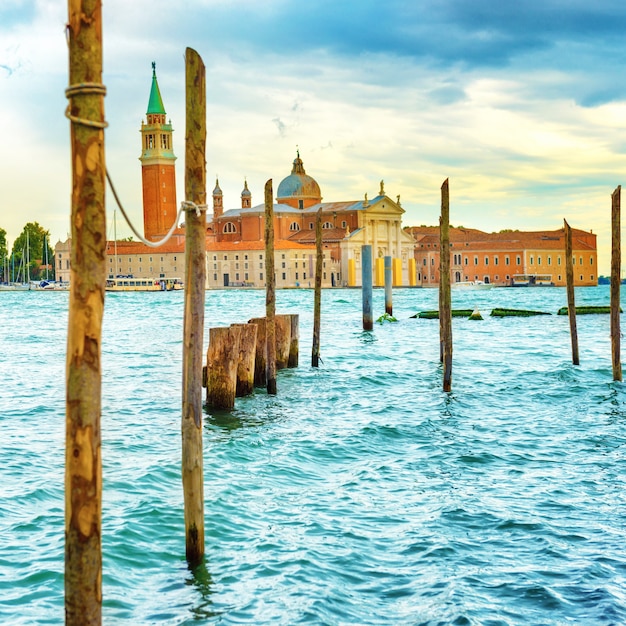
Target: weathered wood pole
x,y
260,358
445,309
222,365
270,289
317,299
294,344
571,298
247,354
283,340
366,282
193,327
388,286
616,270
83,463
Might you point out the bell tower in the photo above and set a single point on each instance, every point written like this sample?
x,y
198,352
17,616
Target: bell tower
x,y
158,174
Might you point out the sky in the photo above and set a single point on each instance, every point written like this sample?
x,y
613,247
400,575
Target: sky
x,y
521,105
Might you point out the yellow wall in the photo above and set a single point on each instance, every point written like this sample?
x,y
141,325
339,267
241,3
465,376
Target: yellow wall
x,y
379,272
397,272
351,273
412,273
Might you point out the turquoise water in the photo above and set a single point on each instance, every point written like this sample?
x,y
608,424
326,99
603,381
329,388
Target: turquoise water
x,y
360,494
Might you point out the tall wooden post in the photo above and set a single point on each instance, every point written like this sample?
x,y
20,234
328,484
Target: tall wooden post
x,y
270,289
445,308
388,286
83,463
571,299
193,327
366,282
616,279
317,300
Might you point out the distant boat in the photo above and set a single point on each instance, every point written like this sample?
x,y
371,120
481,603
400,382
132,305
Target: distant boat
x,y
130,283
532,280
471,284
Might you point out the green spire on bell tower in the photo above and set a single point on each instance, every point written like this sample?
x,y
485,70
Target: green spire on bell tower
x,y
155,104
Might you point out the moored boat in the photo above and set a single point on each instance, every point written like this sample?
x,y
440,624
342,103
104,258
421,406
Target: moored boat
x,y
471,284
130,283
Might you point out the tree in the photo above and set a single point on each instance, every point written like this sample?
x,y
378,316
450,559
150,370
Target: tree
x,y
31,249
4,253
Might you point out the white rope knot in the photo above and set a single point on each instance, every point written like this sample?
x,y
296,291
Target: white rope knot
x,y
81,89
188,205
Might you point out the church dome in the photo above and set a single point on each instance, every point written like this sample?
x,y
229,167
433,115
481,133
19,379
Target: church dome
x,y
298,185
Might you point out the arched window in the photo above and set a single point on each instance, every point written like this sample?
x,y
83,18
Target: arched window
x,y
229,227
327,225
294,226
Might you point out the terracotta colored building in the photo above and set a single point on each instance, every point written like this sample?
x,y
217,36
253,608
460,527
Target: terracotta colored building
x,y
346,226
506,257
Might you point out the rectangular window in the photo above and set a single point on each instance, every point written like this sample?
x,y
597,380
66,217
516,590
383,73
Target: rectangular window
x,y
283,265
518,260
215,280
507,260
538,260
558,261
284,278
532,260
549,260
466,260
475,260
591,263
486,260
261,276
495,260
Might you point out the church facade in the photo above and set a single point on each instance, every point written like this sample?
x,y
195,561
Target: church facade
x,y
346,226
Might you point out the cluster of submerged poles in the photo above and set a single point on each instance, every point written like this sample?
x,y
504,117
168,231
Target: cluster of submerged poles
x,y
445,308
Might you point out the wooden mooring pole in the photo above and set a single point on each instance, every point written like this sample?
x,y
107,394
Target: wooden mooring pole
x,y
366,282
294,344
270,289
83,463
222,365
317,300
616,270
260,357
571,298
445,309
247,356
388,286
283,340
193,327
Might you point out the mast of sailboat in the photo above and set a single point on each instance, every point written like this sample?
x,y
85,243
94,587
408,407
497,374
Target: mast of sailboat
x,y
115,238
